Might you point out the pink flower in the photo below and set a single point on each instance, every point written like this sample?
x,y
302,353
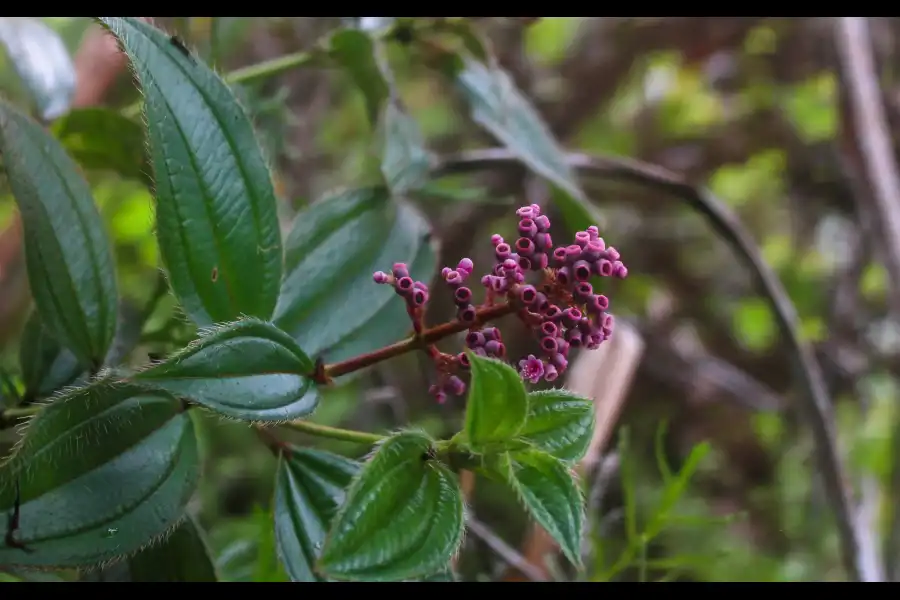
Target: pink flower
x,y
531,369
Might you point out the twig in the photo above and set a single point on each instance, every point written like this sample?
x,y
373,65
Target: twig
x,y
871,127
509,554
816,407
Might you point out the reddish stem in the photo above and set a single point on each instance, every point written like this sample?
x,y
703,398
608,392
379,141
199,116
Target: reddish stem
x,y
425,339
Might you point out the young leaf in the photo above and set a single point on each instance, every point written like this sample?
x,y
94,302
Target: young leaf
x,y
497,406
100,473
560,423
181,557
45,365
67,253
402,518
547,489
354,51
247,370
41,60
329,303
217,223
498,106
405,160
309,488
100,138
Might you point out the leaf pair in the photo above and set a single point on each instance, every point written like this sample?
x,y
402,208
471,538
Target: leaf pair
x,y
401,518
530,441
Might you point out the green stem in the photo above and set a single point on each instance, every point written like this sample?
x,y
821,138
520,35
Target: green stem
x,y
335,433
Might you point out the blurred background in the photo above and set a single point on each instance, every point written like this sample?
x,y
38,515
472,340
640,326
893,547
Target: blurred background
x,y
705,467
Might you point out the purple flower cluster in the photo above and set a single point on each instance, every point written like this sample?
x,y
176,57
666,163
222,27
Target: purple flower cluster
x,y
562,309
462,295
415,293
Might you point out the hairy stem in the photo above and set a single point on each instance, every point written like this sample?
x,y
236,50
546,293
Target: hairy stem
x,y
428,337
335,433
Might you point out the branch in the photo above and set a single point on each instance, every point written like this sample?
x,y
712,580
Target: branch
x,y
816,407
870,124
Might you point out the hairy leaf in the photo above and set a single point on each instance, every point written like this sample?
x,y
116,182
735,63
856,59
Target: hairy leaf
x,y
402,518
217,222
547,489
310,487
328,301
46,366
560,423
247,370
354,51
498,106
102,472
497,406
67,253
100,138
41,60
181,556
405,160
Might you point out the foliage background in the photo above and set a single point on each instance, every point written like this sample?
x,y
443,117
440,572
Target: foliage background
x,y
753,108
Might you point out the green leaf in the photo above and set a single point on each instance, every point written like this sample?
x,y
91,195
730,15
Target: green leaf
x,y
309,488
444,576
497,406
100,138
247,370
499,107
46,366
405,160
41,60
560,423
67,253
548,491
329,303
354,51
103,471
181,556
217,221
402,518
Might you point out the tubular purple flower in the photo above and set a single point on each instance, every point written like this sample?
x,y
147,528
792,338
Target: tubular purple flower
x,y
543,241
550,373
564,276
549,328
573,336
558,258
380,277
583,292
562,346
453,278
603,267
612,254
527,294
560,362
524,247
598,303
593,251
553,313
466,265
419,298
495,348
404,286
582,238
487,281
593,231
571,317
502,251
400,270
573,253
543,223
549,345
526,212
464,362
455,386
496,239
491,333
539,261
467,314
475,339
524,264
620,270
581,270
527,228
462,296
